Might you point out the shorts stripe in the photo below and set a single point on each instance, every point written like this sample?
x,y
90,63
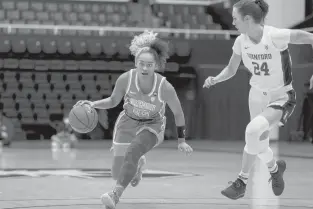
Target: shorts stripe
x,y
288,107
160,135
286,66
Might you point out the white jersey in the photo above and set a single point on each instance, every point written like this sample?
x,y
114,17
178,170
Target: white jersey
x,y
268,61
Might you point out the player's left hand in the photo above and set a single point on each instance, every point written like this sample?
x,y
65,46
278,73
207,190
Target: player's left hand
x,y
210,81
184,147
311,82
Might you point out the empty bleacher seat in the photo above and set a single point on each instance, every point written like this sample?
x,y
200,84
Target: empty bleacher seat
x,y
18,44
5,45
56,65
8,5
94,47
41,64
98,65
10,63
79,46
49,46
22,5
70,65
85,65
26,64
109,47
64,46
33,45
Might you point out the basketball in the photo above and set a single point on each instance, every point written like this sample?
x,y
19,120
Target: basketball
x,y
83,118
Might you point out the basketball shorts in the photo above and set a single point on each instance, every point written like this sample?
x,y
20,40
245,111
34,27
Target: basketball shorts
x,y
126,129
283,99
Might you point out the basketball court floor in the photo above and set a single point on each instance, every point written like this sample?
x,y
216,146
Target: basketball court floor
x,y
34,177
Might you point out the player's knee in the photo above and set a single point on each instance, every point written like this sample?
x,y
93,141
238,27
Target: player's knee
x,y
134,152
256,130
119,149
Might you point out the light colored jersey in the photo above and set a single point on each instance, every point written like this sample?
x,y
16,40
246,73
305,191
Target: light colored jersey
x,y
138,105
268,61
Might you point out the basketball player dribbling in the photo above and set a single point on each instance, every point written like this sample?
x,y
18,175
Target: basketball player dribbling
x,y
140,126
264,51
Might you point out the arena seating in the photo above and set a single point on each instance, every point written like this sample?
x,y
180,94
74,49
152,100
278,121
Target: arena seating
x,y
103,13
44,71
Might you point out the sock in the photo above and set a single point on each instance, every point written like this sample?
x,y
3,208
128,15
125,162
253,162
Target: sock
x,y
274,168
243,177
118,190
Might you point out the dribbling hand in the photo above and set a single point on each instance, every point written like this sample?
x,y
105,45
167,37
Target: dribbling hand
x,y
184,147
81,102
209,82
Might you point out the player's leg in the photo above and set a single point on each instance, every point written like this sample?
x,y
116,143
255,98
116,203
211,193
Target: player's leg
x,y
257,103
124,132
119,151
257,143
142,144
278,112
158,129
138,176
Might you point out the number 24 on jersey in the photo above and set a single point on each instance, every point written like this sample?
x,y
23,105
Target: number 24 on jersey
x,y
261,69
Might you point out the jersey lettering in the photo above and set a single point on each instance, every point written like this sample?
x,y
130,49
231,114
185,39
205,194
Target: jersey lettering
x,y
141,113
261,68
260,56
142,104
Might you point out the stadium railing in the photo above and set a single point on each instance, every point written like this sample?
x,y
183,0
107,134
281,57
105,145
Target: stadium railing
x,y
56,29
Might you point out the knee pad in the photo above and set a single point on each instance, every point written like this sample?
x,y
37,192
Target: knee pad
x,y
267,155
254,130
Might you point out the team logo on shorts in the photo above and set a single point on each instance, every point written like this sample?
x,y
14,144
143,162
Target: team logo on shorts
x,y
152,99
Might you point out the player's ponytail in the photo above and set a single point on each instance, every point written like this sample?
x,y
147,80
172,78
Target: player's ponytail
x,y
257,9
264,7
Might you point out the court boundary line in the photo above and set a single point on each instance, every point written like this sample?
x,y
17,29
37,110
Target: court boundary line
x,y
149,203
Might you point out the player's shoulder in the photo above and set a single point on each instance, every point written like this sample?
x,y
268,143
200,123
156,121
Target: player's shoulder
x,y
159,76
275,32
240,39
125,76
167,86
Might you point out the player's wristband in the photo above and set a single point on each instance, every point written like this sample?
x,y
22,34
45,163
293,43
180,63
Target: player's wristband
x,y
181,132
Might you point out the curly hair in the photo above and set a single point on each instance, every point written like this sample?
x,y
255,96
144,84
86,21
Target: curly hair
x,y
149,40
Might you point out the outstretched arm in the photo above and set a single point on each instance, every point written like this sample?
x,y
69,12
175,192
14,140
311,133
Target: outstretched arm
x,y
230,70
168,94
116,96
300,37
